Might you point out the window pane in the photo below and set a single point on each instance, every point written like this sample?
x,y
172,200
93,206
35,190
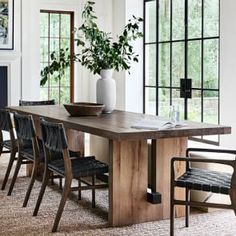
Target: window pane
x,y
164,25
65,43
42,66
150,101
65,95
211,63
44,93
194,106
44,24
54,80
177,63
178,19
150,26
65,23
164,64
164,104
54,94
150,70
177,101
194,18
211,18
210,107
65,80
54,25
44,49
54,45
194,63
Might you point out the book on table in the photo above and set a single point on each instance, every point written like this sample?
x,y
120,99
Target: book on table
x,y
156,124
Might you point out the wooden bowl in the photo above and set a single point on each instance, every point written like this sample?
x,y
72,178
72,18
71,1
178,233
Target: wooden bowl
x,y
84,109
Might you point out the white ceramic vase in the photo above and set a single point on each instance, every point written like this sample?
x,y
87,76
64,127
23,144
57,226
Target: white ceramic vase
x,y
106,90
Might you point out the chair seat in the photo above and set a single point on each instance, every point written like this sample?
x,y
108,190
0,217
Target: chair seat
x,y
7,144
205,180
81,167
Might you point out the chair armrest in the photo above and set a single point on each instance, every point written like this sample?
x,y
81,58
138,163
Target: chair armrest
x,y
227,151
203,160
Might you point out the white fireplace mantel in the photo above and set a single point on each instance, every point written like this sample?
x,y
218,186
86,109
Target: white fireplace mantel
x,y
11,59
9,56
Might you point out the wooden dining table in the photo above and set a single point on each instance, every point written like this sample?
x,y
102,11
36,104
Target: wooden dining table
x,y
128,158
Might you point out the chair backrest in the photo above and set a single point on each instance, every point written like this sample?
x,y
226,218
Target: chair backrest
x,y
5,120
36,103
25,131
54,137
24,127
55,141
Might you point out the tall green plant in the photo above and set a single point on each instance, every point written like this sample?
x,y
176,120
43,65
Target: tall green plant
x,y
98,50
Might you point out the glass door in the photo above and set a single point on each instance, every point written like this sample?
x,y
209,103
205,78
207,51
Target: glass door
x,y
182,58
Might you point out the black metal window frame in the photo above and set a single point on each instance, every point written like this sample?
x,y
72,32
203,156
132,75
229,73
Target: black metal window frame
x,y
202,39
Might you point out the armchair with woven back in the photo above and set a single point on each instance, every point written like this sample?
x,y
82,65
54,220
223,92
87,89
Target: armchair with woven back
x,y
202,180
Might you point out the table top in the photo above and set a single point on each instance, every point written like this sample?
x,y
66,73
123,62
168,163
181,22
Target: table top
x,y
117,125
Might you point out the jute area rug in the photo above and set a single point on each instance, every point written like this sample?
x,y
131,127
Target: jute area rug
x,y
80,219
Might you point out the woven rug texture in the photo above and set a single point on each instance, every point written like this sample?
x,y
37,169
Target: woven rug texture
x,y
79,218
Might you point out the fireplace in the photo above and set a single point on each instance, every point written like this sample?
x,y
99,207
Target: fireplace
x,y
3,86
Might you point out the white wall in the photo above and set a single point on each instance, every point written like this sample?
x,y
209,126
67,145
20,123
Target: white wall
x,y
30,49
134,81
228,70
129,87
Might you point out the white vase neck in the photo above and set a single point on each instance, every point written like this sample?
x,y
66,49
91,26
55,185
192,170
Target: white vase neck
x,y
106,74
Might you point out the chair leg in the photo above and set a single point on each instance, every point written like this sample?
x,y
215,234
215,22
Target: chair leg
x,y
46,177
93,191
52,180
60,183
79,191
172,214
172,207
9,167
1,148
31,184
187,208
18,165
65,193
233,199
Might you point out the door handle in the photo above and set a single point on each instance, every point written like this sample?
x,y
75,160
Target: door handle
x,y
186,88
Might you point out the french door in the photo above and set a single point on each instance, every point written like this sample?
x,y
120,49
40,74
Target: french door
x,y
56,33
181,49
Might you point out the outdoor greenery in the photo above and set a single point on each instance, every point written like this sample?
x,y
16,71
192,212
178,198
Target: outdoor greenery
x,y
175,67
98,50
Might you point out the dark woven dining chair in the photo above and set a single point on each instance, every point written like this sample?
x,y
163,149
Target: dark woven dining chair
x,y
22,103
202,180
9,145
36,103
54,139
30,153
30,150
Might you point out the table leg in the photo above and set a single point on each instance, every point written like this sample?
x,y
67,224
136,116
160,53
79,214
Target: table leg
x,y
166,149
128,180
